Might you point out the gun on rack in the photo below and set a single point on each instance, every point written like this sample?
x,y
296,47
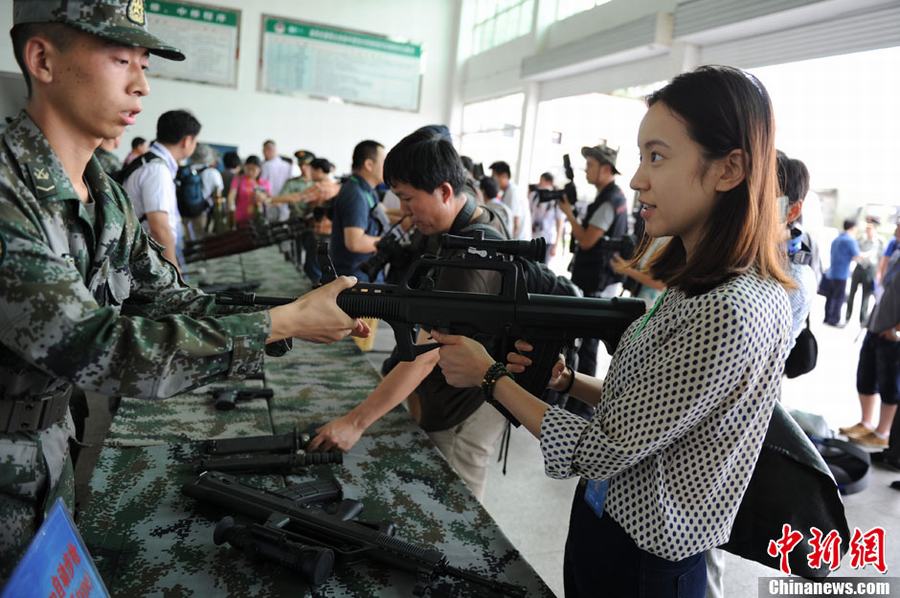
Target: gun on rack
x,y
549,322
301,537
282,453
246,238
225,399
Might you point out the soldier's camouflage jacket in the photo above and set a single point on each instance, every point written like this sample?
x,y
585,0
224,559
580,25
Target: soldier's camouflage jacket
x,y
109,162
95,306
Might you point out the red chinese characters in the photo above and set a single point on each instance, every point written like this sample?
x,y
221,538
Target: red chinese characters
x,y
868,549
825,548
865,549
784,545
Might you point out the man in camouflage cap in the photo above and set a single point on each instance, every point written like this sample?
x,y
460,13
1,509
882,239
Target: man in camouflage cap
x,y
86,298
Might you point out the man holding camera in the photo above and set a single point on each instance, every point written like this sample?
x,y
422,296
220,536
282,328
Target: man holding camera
x,y
606,216
425,172
547,219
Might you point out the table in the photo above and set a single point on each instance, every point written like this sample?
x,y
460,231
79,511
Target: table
x,y
149,539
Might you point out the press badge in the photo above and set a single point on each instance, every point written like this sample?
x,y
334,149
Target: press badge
x,y
595,495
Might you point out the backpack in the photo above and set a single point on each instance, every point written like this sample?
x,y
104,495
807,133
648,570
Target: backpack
x,y
849,464
122,176
189,191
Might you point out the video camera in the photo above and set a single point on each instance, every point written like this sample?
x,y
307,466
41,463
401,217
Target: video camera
x,y
567,193
624,245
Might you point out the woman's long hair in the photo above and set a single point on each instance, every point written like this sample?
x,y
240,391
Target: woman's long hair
x,y
725,109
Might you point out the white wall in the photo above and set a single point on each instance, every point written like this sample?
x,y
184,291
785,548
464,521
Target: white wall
x,y
245,117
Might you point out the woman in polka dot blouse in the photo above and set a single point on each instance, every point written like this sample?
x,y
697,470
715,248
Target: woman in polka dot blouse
x,y
683,410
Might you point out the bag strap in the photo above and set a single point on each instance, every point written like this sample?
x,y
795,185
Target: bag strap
x,y
137,163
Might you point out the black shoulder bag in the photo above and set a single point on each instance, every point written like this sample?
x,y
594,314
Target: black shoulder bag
x,y
803,356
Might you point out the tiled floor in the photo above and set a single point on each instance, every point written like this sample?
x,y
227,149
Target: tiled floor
x,y
533,510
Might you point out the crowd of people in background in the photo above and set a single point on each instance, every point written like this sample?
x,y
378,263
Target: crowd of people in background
x,y
595,238
666,442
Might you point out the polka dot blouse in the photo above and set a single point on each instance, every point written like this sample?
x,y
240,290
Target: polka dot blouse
x,y
682,415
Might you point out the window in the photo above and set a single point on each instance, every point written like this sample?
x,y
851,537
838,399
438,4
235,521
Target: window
x,y
567,8
491,129
498,21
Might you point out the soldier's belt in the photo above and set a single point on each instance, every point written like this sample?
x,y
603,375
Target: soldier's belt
x,y
33,415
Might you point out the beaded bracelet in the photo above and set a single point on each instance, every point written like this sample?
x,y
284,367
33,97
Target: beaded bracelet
x,y
493,373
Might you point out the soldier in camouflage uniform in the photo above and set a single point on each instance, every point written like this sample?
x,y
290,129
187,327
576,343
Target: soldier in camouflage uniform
x,y
86,297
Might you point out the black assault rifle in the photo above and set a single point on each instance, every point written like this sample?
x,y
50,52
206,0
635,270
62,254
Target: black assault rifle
x,y
302,538
548,322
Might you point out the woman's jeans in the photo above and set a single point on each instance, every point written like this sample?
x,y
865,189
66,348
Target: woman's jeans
x,y
602,560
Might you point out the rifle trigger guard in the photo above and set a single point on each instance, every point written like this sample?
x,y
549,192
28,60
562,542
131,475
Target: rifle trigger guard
x,y
420,349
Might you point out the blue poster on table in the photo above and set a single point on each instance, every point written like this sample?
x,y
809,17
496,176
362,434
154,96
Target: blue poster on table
x,y
56,564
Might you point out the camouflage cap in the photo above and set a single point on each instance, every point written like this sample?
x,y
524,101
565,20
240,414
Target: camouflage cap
x,y
603,154
304,156
120,21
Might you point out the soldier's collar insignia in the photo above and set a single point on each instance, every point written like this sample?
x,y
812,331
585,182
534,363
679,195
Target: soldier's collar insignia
x,y
44,185
135,12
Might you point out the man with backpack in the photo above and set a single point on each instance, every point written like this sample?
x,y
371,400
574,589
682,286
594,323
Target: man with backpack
x,y
198,185
426,173
150,181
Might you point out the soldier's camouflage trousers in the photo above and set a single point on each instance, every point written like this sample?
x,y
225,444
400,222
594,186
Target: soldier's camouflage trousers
x,y
35,470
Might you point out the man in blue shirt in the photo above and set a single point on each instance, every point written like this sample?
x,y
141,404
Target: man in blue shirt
x,y
358,218
844,250
891,255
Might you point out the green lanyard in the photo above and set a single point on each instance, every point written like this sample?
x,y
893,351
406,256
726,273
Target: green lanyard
x,y
648,315
371,198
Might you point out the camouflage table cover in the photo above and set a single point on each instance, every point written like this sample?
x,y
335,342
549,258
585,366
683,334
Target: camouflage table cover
x,y
149,539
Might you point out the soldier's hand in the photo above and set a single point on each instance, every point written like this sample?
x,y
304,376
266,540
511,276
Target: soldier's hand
x,y
341,433
315,316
